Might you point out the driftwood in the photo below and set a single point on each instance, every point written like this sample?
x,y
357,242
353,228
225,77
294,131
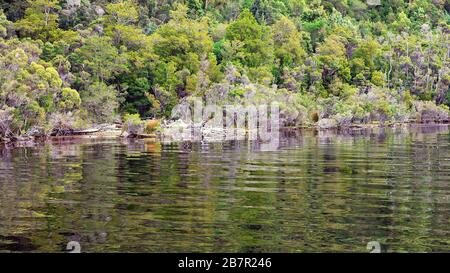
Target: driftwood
x,y
85,132
142,136
74,132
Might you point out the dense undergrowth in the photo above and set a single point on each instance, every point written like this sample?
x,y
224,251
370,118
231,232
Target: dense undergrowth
x,y
71,64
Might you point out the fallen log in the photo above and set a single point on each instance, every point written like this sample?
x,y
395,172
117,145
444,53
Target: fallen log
x,y
85,132
142,136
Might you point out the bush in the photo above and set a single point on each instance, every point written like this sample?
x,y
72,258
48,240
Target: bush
x,y
151,126
100,101
8,126
65,123
70,99
133,124
429,112
378,78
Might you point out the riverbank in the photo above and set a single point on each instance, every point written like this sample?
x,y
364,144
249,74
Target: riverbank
x,y
103,131
173,132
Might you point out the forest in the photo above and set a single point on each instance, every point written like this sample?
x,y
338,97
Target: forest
x,y
72,64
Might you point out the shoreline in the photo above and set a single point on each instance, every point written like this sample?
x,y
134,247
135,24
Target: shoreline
x,y
120,135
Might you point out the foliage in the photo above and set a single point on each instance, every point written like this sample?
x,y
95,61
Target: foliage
x,y
133,124
98,59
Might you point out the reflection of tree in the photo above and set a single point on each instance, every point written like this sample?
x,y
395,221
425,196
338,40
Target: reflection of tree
x,y
319,192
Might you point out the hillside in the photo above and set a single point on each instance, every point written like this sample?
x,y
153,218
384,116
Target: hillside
x,y
72,64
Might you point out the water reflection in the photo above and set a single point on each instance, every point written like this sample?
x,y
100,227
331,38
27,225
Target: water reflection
x,y
321,191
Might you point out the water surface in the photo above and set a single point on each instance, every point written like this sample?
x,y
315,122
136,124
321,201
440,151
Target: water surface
x,y
319,192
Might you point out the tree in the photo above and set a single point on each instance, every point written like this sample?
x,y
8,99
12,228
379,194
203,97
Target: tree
x,y
100,102
332,55
313,20
5,25
122,12
366,60
30,89
249,45
180,46
40,19
288,50
269,11
287,39
339,57
99,58
14,9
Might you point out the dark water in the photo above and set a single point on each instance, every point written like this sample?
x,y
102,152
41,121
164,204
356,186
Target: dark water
x,y
320,192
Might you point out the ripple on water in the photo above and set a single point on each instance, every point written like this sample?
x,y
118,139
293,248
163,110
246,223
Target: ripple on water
x,y
317,192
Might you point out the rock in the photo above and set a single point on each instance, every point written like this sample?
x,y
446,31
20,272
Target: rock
x,y
106,127
213,133
428,116
373,2
73,3
23,139
326,123
36,132
98,29
178,124
177,130
99,10
342,120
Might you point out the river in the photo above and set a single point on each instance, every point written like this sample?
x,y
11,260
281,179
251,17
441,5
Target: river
x,y
318,192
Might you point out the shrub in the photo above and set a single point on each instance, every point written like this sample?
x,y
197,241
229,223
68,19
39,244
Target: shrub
x,y
151,126
100,100
65,123
133,124
8,125
70,99
378,78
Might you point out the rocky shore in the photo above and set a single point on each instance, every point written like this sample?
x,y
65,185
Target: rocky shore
x,y
101,131
178,130
181,131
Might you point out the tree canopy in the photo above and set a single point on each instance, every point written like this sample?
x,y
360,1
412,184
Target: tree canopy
x,y
93,61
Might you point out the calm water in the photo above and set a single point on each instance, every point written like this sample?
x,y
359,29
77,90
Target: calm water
x,y
320,192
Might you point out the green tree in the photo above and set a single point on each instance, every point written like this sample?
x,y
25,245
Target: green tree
x,y
100,102
180,46
99,58
288,50
40,19
5,25
31,90
332,56
248,45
